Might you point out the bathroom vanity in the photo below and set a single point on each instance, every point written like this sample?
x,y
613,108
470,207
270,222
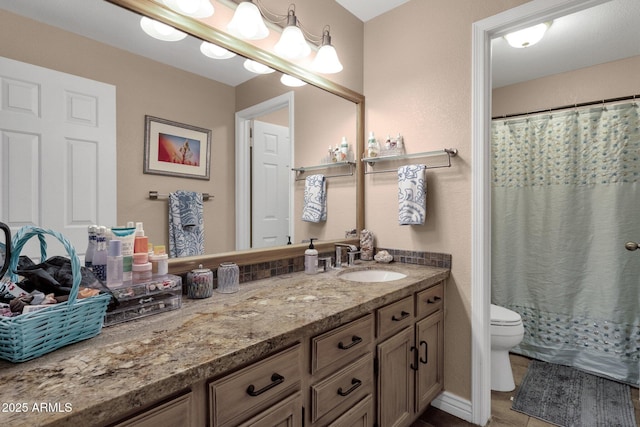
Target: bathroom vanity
x,y
291,349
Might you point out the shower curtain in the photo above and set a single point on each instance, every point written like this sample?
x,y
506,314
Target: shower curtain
x,y
565,199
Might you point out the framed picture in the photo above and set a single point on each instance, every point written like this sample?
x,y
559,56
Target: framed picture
x,y
176,149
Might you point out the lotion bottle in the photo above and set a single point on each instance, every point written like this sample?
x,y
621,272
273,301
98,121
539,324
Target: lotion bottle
x,y
311,259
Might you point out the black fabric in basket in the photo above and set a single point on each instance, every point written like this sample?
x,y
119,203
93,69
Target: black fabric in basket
x,y
54,276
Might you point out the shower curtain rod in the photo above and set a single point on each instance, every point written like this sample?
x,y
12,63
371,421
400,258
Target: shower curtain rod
x,y
566,107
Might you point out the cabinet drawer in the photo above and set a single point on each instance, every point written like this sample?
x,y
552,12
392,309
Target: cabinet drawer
x,y
429,301
343,389
175,412
395,316
361,415
243,394
342,345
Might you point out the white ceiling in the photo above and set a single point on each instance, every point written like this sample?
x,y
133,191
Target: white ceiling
x,y
604,33
601,34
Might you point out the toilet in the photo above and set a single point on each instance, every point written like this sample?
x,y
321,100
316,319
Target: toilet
x,y
506,332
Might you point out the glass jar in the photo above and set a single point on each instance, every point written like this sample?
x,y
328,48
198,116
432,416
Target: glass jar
x,y
228,278
200,283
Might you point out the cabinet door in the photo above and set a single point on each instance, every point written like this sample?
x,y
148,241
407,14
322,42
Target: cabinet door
x,y
175,412
361,415
396,367
287,413
430,345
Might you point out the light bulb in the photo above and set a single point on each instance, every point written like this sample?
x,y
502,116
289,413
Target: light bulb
x,y
247,22
292,44
527,37
192,8
256,67
214,51
160,31
288,80
188,6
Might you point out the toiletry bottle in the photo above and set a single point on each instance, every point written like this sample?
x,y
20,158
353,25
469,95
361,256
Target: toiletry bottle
x,y
311,259
114,264
159,261
400,144
91,248
99,266
372,146
344,149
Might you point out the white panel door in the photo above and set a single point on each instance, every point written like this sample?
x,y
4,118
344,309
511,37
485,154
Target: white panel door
x,y
271,184
57,153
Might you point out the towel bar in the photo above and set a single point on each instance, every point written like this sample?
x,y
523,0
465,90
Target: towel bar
x,y
154,195
449,152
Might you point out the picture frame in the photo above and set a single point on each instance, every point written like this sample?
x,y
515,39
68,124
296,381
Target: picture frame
x,y
176,149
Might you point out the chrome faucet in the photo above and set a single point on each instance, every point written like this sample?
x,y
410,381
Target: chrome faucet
x,y
352,251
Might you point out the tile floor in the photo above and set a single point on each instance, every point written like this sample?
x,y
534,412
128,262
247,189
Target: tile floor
x,y
501,413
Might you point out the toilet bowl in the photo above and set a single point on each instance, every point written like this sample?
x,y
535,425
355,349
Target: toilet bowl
x,y
506,332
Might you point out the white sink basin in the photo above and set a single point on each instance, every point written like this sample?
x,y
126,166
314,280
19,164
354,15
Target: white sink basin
x,y
371,275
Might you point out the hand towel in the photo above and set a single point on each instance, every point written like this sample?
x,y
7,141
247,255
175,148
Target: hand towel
x,y
315,199
412,194
186,224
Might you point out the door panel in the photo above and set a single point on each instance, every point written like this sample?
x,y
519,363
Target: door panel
x,y
58,153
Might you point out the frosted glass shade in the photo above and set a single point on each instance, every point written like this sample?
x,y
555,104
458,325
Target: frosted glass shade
x,y
247,23
326,60
292,44
160,31
216,52
527,37
256,67
291,81
193,8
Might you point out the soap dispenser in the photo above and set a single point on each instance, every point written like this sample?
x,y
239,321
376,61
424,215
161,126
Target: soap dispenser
x,y
311,259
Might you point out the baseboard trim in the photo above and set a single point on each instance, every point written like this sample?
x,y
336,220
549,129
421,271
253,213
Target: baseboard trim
x,y
454,405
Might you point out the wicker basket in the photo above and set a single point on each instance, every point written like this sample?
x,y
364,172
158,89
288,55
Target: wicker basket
x,y
31,335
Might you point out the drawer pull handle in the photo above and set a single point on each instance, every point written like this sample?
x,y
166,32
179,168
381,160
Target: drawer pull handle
x,y
403,315
354,341
426,355
355,384
433,300
414,364
275,380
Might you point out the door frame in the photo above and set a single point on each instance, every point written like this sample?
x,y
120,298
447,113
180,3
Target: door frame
x,y
483,31
243,120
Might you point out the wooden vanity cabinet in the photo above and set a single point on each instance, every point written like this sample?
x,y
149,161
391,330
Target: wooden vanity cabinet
x,y
410,362
342,373
253,392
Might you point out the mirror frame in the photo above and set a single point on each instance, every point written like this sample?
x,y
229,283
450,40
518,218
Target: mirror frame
x,y
204,32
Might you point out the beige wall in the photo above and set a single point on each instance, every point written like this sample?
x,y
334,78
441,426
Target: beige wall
x,y
143,87
417,81
604,81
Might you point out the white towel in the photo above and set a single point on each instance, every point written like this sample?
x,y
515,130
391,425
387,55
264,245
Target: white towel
x,y
315,199
412,194
186,224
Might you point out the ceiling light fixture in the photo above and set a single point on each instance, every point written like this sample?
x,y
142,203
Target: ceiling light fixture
x,y
256,67
247,22
291,81
160,31
527,37
326,60
193,8
214,51
292,44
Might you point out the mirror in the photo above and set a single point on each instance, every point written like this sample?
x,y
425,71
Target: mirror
x,y
136,206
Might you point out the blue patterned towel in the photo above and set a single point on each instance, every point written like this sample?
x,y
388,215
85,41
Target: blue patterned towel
x,y
315,199
186,224
412,194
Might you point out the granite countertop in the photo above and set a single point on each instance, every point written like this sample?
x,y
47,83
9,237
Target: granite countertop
x,y
133,364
